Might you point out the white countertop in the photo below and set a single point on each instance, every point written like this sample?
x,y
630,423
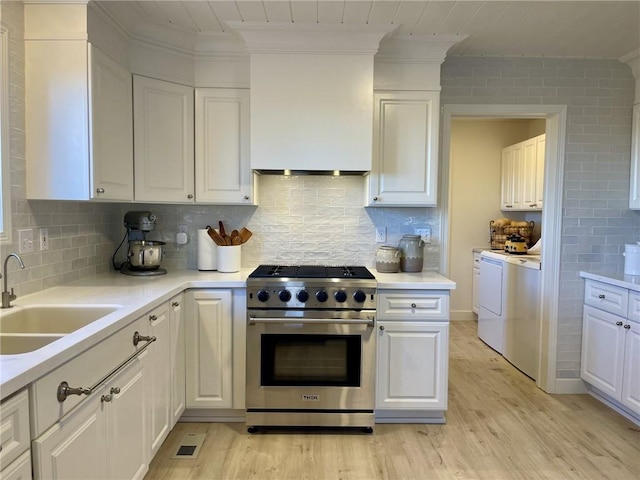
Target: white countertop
x,y
136,296
632,282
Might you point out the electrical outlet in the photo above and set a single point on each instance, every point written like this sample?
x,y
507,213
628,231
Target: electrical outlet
x,y
44,238
381,235
25,241
425,233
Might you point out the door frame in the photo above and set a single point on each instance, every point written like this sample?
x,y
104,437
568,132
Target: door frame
x,y
551,225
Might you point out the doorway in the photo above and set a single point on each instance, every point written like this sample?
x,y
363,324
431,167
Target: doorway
x,y
551,218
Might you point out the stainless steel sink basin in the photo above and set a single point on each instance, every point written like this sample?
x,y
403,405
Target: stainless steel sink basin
x,y
13,344
25,329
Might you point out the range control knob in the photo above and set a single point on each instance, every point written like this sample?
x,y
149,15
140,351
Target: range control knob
x,y
359,296
284,295
340,296
321,296
263,295
302,296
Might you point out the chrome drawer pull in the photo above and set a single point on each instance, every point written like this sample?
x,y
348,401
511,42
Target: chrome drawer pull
x,y
627,326
619,324
64,390
601,296
413,305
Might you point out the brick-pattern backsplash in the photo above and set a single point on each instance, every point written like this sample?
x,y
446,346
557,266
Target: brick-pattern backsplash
x,y
596,220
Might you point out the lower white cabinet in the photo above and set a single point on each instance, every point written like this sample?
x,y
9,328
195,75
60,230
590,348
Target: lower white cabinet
x,y
413,356
158,377
15,441
178,372
209,329
610,359
103,438
412,371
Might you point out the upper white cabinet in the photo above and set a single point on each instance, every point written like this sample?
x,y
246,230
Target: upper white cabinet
x,y
79,132
163,141
222,170
634,199
405,149
523,175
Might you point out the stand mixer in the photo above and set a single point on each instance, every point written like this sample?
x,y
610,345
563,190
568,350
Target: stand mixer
x,y
143,256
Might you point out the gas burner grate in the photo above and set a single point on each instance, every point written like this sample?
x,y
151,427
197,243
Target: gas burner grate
x,y
311,271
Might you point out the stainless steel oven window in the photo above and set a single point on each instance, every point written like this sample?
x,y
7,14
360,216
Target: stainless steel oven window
x,y
311,360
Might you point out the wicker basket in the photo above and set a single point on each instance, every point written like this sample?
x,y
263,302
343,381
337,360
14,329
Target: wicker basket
x,y
499,235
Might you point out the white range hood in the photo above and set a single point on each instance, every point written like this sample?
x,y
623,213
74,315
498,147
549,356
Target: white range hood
x,y
311,95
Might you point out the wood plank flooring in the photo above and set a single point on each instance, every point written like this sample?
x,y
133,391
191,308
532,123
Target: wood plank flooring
x,y
499,426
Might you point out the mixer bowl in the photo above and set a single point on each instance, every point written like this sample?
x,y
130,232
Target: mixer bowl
x,y
145,254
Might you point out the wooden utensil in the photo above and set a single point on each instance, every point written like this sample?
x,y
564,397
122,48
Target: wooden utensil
x,y
245,234
215,236
221,227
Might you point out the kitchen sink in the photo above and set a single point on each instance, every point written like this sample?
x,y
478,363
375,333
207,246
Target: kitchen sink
x,y
15,343
24,329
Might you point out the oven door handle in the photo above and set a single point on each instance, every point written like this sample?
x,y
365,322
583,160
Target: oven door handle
x,y
370,322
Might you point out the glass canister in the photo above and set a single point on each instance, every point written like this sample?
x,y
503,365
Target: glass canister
x,y
387,259
411,253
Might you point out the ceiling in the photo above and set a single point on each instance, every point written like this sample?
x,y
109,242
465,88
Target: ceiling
x,y
550,28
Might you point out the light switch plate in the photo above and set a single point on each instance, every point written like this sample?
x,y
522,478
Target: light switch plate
x,y
381,234
425,233
44,238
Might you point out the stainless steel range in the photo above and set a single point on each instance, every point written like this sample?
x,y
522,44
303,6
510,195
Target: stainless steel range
x,y
311,353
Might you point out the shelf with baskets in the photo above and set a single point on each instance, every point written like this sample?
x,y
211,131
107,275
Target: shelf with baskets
x,y
500,232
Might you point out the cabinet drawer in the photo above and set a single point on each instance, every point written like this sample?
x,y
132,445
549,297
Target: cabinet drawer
x,y
606,297
413,305
634,306
82,371
14,428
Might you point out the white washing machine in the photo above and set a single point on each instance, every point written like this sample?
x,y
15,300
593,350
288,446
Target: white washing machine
x,y
492,300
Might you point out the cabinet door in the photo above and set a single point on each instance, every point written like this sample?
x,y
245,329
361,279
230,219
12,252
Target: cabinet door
x,y
631,382
19,469
634,196
126,412
163,141
76,446
223,172
507,178
177,359
541,153
111,141
209,361
476,290
159,377
412,365
528,173
602,351
405,149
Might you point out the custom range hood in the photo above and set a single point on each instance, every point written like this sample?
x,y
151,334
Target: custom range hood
x,y
311,96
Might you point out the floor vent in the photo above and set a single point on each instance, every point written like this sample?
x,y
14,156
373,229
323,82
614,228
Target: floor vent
x,y
190,445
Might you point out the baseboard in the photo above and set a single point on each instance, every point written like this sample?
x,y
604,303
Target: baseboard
x,y
212,415
462,315
613,404
570,386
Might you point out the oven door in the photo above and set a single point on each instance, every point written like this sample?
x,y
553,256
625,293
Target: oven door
x,y
314,361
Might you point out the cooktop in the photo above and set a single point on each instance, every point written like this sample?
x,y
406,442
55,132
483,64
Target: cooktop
x,y
311,271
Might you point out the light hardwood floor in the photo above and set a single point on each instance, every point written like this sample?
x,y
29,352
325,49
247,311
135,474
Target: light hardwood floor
x,y
499,426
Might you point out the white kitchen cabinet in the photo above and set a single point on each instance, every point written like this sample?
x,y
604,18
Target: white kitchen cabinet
x,y
178,372
405,149
522,182
610,359
163,120
104,437
209,327
475,283
222,169
15,441
413,355
79,135
634,196
158,376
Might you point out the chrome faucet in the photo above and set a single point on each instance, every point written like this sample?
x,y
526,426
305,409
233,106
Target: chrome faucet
x,y
7,297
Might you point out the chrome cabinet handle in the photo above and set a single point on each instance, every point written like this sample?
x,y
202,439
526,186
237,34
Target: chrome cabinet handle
x,y
375,199
601,296
190,196
246,197
619,324
413,305
137,338
627,326
114,390
106,398
382,328
153,318
100,190
175,304
64,390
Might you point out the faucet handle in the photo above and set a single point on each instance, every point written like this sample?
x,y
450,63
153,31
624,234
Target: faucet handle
x,y
13,295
